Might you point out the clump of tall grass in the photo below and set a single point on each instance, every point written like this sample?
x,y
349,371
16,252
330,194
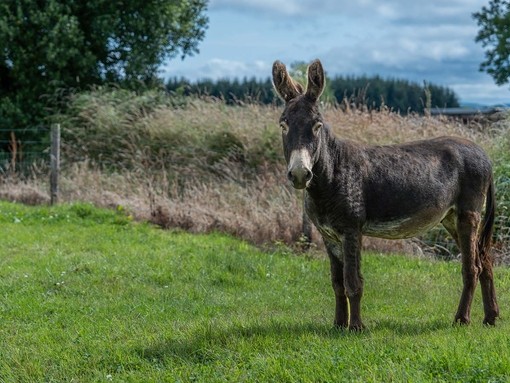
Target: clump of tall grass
x,y
202,165
124,130
501,161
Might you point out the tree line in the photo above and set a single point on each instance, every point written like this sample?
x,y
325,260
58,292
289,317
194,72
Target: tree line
x,y
374,92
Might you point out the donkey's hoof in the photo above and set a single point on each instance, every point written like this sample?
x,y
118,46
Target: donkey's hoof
x,y
341,321
489,321
461,320
341,325
356,327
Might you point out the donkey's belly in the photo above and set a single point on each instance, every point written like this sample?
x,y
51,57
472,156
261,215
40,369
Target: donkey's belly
x,y
404,227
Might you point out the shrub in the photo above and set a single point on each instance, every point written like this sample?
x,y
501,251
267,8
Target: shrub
x,y
501,159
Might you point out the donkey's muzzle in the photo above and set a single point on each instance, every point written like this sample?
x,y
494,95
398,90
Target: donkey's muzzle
x,y
299,170
299,176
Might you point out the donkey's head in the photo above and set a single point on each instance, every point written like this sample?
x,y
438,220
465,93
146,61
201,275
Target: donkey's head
x,y
301,122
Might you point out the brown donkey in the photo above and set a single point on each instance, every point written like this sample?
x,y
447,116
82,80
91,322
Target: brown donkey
x,y
395,191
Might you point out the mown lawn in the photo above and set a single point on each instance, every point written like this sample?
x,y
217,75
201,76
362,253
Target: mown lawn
x,y
88,296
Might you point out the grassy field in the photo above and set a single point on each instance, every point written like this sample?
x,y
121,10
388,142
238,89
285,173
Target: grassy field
x,y
86,295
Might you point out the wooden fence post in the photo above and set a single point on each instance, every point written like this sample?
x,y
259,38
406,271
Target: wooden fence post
x,y
54,162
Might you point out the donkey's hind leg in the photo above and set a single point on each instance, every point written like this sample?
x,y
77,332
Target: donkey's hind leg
x,y
490,304
467,239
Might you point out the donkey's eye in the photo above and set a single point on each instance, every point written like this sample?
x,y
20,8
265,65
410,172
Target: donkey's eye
x,y
317,127
284,127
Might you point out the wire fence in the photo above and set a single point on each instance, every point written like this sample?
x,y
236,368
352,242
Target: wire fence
x,y
23,150
27,151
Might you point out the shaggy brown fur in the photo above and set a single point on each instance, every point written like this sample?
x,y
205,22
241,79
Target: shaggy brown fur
x,y
395,191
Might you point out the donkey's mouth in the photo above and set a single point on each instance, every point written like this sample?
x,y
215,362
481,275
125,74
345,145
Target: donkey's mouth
x,y
300,184
300,177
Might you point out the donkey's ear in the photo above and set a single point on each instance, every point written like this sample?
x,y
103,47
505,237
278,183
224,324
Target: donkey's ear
x,y
286,88
316,80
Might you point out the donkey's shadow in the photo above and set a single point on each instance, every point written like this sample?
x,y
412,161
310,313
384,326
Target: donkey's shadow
x,y
197,348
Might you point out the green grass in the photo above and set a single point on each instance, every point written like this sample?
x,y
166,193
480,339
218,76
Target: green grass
x,y
86,295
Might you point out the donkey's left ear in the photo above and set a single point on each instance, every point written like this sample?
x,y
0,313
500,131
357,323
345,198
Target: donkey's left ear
x,y
286,88
316,80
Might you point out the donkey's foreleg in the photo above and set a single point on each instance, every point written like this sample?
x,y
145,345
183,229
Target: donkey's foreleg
x,y
467,231
335,252
353,279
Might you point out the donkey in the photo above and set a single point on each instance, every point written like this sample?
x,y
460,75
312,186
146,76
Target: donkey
x,y
394,191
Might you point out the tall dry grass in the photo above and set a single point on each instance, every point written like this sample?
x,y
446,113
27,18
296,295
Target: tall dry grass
x,y
201,165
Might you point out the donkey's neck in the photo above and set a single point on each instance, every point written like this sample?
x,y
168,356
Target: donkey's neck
x,y
339,162
336,193
329,154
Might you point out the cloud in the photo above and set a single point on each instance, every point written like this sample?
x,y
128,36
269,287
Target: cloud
x,y
217,68
368,33
483,91
432,11
268,7
432,41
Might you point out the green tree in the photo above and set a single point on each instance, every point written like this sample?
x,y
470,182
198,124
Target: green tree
x,y
52,45
494,35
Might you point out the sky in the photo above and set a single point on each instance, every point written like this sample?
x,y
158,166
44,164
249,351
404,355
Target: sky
x,y
431,40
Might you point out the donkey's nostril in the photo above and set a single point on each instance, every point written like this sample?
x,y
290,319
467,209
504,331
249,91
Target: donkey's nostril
x,y
308,175
290,177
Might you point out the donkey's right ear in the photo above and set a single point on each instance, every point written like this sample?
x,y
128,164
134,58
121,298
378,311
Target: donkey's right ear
x,y
286,88
316,80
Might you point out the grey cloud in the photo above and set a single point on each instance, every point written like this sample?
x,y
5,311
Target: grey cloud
x,y
404,11
432,41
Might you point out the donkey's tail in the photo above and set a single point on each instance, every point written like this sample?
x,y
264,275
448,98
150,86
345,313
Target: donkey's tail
x,y
485,239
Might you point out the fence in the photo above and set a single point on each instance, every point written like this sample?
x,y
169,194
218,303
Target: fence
x,y
23,149
466,115
20,149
